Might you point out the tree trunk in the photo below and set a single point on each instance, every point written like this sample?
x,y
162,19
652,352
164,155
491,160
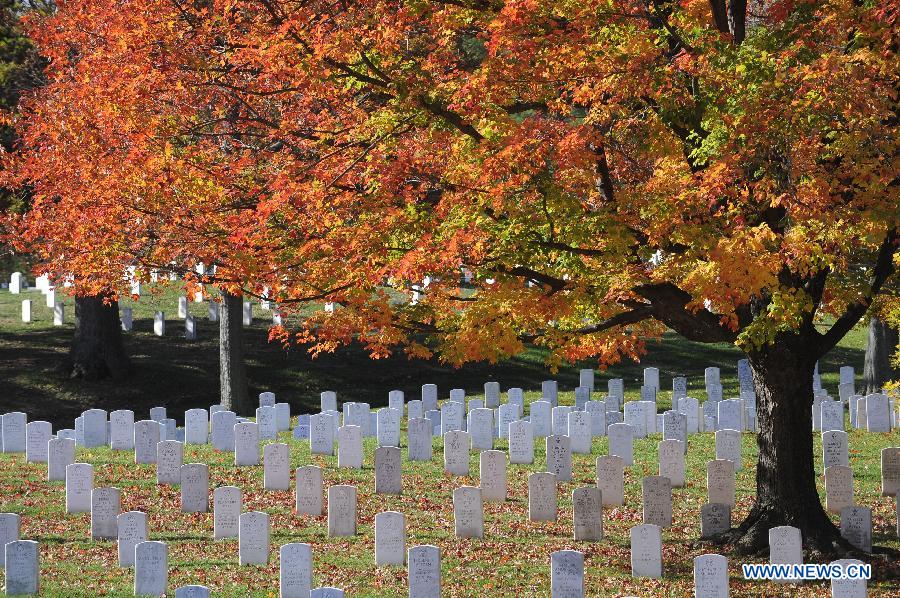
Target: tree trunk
x,y
785,476
882,344
232,373
97,350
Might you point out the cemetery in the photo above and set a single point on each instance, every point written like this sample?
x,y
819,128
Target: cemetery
x,y
449,298
592,486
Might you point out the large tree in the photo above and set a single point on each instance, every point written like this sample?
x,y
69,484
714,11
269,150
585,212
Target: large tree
x,y
605,169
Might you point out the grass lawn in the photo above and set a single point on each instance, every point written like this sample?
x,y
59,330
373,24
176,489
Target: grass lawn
x,y
513,558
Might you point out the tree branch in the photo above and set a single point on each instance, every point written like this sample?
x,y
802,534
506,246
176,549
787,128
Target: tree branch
x,y
884,268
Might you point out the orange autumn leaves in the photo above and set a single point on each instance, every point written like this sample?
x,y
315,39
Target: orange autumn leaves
x,y
563,153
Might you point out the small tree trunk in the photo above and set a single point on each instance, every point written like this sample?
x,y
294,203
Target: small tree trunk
x,y
785,476
232,373
882,343
97,350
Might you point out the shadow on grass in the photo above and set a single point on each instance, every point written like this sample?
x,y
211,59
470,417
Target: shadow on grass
x,y
180,375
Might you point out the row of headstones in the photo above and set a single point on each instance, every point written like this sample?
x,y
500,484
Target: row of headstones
x,y
567,572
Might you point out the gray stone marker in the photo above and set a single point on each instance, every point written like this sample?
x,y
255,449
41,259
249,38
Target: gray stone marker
x,y
587,510
37,435
388,424
838,488
390,539
728,446
856,527
890,471
106,504
328,401
121,430
193,590
276,467
785,546
714,519
388,474
567,574
611,479
492,465
223,423
321,434
253,538
350,446
521,442
621,442
196,426
720,482
559,457
79,484
22,559
481,428
146,437
246,444
10,528
419,439
468,512
327,592
414,409
295,578
195,488
549,392
131,530
341,511
456,452
657,500
169,459
226,512
309,491
94,422
151,569
543,503
646,550
711,576
429,397
541,418
424,566
849,587
579,432
559,417
671,461
834,448
492,394
586,378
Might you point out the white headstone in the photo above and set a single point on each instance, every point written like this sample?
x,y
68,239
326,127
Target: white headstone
x,y
424,565
890,471
785,546
350,447
878,413
621,442
328,401
711,576
579,432
543,502
321,434
388,478
246,444
419,439
730,415
388,418
611,479
59,313
151,568
169,460
196,426
341,511
37,435
834,448
549,392
671,461
159,323
309,491
429,397
94,422
194,488
541,418
493,476
491,394
521,442
26,310
276,467
60,454
452,414
646,550
223,430
105,507
559,457
79,484
838,488
131,530
10,528
295,578
390,539
265,419
567,573
456,452
657,500
468,512
226,512
14,433
849,586
714,519
247,313
146,437
720,482
253,538
22,568
587,513
856,527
